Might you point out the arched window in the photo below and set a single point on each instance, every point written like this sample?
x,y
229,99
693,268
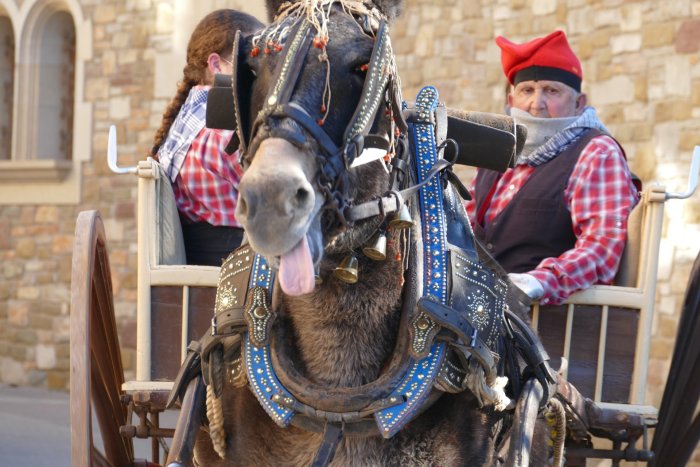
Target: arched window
x,y
7,73
54,117
44,46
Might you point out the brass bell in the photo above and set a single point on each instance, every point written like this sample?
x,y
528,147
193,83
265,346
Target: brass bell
x,y
401,219
376,250
347,270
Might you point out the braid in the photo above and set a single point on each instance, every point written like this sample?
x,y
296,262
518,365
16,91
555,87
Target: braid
x,y
214,34
169,116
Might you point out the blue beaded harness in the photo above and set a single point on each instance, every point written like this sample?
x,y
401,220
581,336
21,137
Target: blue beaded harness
x,y
411,393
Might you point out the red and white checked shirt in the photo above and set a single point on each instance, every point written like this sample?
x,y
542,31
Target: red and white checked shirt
x,y
206,188
204,177
600,195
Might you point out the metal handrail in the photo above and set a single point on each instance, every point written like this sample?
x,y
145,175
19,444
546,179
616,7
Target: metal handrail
x,y
692,178
112,154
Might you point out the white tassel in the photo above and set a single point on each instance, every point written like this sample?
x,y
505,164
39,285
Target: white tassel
x,y
487,393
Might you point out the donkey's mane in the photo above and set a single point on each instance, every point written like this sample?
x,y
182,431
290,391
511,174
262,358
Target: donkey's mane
x,y
391,9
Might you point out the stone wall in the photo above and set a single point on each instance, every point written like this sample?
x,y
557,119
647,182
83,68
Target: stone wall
x,y
641,70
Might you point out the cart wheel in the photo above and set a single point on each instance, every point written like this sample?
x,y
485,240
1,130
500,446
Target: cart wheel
x,y
96,366
678,430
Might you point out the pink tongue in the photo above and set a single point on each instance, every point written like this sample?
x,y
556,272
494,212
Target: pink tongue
x,y
296,273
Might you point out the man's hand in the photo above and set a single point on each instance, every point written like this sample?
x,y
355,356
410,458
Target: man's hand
x,y
528,284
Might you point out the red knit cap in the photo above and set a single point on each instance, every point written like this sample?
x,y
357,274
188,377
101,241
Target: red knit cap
x,y
545,58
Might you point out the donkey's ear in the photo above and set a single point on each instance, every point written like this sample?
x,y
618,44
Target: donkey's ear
x,y
242,84
392,9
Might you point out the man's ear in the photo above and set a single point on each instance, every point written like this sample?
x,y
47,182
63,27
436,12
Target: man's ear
x,y
581,102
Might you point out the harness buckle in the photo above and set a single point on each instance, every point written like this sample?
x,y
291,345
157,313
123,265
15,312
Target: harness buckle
x,y
472,340
213,325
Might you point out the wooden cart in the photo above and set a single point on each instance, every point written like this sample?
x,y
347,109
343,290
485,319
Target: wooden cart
x,y
604,333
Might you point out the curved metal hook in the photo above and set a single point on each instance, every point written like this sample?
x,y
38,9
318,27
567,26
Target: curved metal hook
x,y
692,178
112,154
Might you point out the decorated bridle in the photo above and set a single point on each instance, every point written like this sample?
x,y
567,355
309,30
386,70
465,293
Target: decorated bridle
x,y
298,28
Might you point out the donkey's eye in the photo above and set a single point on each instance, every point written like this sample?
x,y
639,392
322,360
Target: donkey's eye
x,y
362,69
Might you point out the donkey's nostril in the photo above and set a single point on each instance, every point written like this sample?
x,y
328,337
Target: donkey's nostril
x,y
301,197
241,207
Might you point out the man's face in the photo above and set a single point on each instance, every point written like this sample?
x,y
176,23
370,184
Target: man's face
x,y
547,99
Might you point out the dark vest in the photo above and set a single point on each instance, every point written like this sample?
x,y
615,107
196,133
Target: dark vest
x,y
536,224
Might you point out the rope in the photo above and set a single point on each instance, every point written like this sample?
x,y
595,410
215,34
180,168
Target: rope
x,y
556,420
215,414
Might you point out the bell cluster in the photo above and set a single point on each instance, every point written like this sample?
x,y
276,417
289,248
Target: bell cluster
x,y
347,270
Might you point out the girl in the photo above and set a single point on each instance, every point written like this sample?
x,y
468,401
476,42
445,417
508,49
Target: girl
x,y
203,175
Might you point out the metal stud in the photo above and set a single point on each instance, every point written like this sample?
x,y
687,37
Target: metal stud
x,y
376,250
347,270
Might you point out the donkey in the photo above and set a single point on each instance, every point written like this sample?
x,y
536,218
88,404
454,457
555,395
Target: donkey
x,y
313,91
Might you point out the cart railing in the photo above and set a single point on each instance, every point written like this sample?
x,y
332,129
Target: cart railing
x,y
162,273
636,292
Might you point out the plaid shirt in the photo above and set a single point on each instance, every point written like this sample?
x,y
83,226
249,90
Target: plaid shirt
x,y
205,178
600,195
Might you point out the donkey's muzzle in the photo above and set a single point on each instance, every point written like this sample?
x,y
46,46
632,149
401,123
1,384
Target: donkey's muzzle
x,y
276,199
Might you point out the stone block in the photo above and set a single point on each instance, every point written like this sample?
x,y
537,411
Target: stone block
x,y
658,34
164,18
25,248
679,278
39,321
688,37
5,240
672,110
631,17
661,348
119,108
12,270
46,214
12,371
668,326
45,357
607,17
579,21
97,88
104,14
28,293
625,43
544,7
18,313
677,76
619,89
62,243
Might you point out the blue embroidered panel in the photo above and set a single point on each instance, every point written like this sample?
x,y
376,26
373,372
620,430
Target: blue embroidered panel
x,y
261,375
418,382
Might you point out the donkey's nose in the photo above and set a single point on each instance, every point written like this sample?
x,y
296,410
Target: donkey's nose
x,y
276,196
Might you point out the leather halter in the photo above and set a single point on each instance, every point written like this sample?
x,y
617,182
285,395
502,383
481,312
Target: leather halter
x,y
278,106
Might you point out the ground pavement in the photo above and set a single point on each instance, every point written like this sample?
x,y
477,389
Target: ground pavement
x,y
35,428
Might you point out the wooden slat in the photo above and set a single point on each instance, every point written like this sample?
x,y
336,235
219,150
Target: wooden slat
x,y
600,367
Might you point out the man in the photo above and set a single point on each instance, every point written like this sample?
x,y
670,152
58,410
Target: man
x,y
556,221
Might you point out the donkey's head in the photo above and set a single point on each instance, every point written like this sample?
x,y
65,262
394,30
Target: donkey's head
x,y
309,90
